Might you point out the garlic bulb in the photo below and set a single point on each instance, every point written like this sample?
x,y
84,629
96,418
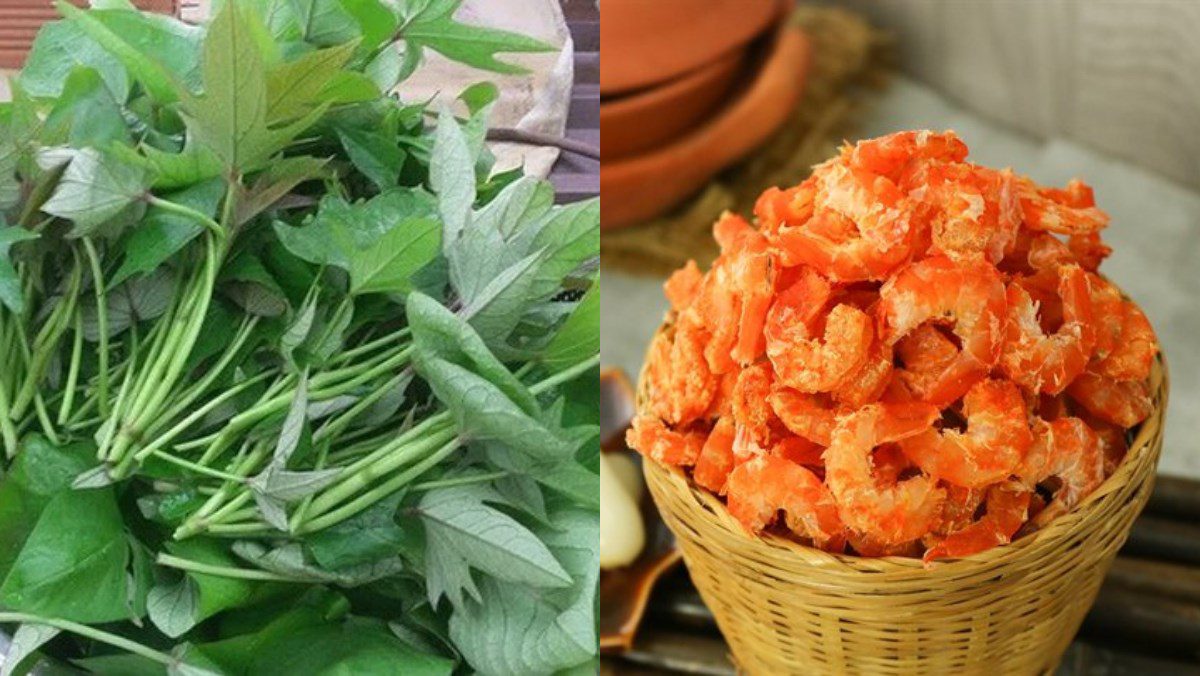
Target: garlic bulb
x,y
622,535
626,468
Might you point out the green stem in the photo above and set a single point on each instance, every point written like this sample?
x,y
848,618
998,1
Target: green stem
x,y
8,431
354,484
460,481
68,401
221,571
197,468
101,320
196,416
566,376
46,344
191,393
92,633
323,389
378,493
43,416
367,348
186,212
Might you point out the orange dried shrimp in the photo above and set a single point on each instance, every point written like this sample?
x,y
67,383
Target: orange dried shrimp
x,y
904,355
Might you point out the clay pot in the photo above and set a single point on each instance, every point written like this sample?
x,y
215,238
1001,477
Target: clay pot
x,y
646,42
644,186
651,117
21,19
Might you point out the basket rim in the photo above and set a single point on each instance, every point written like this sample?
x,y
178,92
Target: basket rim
x,y
1143,454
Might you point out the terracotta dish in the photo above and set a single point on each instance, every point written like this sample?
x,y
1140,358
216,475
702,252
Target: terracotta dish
x,y
650,41
643,186
652,117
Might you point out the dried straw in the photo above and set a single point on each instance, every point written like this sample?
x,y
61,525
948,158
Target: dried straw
x,y
789,609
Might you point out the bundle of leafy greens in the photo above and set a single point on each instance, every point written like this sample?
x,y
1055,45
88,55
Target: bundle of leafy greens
x,y
291,381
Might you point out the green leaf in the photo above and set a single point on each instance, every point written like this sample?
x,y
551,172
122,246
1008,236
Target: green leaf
x,y
375,155
341,230
11,294
96,187
86,114
295,88
579,337
368,536
377,21
133,301
195,163
176,608
288,486
10,183
293,425
162,233
514,632
523,201
439,333
484,412
171,44
458,522
73,563
325,22
276,182
479,96
289,560
349,87
452,178
173,607
392,66
146,69
232,115
40,471
473,45
306,641
389,265
61,46
565,240
252,286
25,643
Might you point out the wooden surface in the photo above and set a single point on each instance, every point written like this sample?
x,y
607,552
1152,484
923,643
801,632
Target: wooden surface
x,y
1121,76
1146,619
577,177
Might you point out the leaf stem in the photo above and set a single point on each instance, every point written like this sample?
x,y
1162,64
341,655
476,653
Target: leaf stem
x,y
196,467
186,212
68,401
8,431
179,563
101,320
459,481
566,375
379,492
90,632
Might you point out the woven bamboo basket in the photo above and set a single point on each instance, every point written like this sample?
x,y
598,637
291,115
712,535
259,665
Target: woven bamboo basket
x,y
789,609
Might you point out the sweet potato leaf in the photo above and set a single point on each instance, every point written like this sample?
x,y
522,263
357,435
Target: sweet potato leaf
x,y
96,186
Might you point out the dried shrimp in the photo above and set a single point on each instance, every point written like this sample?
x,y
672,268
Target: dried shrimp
x,y
904,355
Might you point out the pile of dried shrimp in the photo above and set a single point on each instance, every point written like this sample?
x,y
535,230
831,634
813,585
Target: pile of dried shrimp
x,y
908,354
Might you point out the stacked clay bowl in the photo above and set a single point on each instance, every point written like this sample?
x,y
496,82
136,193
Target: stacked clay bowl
x,y
688,87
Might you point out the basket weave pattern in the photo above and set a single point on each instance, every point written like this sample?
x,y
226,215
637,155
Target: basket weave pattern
x,y
789,609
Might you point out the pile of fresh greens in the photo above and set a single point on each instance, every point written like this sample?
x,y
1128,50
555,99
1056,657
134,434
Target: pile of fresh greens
x,y
291,381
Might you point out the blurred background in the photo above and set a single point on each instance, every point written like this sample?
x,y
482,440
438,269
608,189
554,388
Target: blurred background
x,y
706,103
